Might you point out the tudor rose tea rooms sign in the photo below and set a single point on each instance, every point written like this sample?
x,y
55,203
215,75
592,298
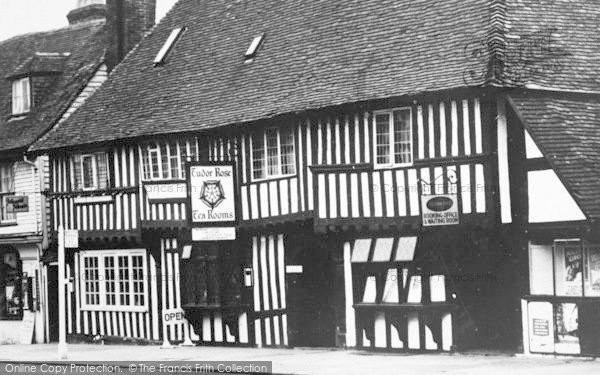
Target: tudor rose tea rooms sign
x,y
212,201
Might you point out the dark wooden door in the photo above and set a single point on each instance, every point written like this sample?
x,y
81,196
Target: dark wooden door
x,y
310,296
52,283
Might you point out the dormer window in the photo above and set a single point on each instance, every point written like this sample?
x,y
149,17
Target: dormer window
x,y
253,48
21,96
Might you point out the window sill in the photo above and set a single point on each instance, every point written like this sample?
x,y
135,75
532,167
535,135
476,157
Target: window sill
x,y
93,199
17,116
115,308
11,223
273,178
11,319
391,166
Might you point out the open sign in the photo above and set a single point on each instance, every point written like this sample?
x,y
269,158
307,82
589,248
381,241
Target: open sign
x,y
173,316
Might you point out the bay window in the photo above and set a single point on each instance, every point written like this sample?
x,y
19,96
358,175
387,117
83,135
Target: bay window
x,y
273,153
21,96
89,171
7,180
114,280
393,137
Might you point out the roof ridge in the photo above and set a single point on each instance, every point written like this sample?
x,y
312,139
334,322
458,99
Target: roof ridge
x,y
80,25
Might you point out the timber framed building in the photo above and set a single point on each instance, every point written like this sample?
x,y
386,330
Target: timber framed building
x,y
45,77
389,171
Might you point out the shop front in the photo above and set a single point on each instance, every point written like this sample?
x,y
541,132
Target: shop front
x,y
560,314
20,316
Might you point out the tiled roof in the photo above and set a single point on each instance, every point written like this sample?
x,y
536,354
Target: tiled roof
x,y
34,52
316,54
553,44
41,63
323,53
567,130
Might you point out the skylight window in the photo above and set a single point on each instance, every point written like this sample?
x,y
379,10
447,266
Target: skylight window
x,y
254,46
166,48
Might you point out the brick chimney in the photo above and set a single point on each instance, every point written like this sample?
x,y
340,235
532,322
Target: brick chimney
x,y
127,22
87,10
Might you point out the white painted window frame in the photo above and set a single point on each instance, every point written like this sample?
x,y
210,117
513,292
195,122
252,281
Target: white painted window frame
x,y
94,172
11,167
115,253
186,145
21,99
263,134
392,163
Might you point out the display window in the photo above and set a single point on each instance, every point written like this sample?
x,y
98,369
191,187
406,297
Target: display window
x,y
11,297
565,268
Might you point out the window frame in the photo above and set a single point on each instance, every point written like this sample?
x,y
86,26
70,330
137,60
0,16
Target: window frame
x,y
94,172
19,99
5,194
74,163
100,255
391,133
186,148
265,162
585,277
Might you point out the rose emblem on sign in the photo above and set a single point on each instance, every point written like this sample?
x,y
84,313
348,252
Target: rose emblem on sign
x,y
212,193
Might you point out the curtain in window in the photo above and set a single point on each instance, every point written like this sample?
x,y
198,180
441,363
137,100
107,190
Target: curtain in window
x,y
21,96
90,171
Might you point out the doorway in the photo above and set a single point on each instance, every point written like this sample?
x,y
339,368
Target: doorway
x,y
52,282
310,280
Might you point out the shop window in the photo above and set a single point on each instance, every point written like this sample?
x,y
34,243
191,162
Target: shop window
x,y
565,268
90,171
393,138
166,160
273,153
114,280
7,189
11,296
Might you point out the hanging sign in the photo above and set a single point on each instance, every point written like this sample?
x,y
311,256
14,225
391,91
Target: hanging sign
x,y
71,238
212,201
439,209
18,203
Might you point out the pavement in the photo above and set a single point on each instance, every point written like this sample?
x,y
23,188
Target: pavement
x,y
314,361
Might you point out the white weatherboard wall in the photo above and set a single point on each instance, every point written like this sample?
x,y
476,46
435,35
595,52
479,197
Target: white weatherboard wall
x,y
26,183
549,200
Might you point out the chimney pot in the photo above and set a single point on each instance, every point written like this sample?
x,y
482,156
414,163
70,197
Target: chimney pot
x,y
87,10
